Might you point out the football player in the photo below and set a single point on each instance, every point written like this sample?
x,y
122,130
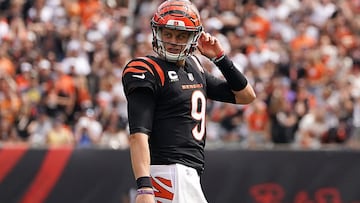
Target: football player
x,y
167,96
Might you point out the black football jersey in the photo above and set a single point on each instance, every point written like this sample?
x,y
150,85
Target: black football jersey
x,y
178,126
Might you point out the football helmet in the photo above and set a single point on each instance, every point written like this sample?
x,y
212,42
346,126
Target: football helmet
x,y
178,15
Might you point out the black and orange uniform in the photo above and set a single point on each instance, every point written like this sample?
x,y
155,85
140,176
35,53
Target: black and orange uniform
x,y
176,97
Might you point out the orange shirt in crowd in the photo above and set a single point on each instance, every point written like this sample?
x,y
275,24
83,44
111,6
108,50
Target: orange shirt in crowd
x,y
10,108
88,8
302,42
65,84
250,48
257,117
7,66
258,26
258,121
316,72
22,82
344,35
83,96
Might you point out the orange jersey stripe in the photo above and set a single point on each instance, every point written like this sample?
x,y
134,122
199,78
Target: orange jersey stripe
x,y
137,63
133,70
157,68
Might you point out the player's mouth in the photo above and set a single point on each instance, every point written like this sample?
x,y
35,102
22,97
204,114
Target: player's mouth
x,y
174,50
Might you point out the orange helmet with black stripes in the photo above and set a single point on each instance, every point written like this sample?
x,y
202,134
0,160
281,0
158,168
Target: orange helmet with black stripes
x,y
178,15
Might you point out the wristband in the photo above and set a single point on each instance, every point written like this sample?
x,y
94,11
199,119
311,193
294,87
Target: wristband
x,y
144,181
144,192
218,58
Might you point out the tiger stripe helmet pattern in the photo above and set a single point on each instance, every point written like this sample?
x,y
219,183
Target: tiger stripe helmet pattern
x,y
178,15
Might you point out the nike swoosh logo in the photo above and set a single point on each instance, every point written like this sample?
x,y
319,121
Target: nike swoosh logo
x,y
142,76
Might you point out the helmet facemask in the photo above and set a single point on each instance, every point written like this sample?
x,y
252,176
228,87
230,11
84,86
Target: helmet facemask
x,y
187,48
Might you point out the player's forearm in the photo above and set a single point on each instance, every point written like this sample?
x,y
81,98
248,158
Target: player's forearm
x,y
140,154
245,96
243,91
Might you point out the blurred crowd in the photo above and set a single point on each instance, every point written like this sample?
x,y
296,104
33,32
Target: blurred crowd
x,y
61,63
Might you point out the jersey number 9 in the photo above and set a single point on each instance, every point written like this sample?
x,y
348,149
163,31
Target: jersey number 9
x,y
198,108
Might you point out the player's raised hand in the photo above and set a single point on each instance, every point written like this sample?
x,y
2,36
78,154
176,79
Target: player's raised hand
x,y
209,46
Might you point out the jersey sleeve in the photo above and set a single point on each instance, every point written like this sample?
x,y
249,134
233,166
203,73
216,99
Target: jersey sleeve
x,y
140,115
139,73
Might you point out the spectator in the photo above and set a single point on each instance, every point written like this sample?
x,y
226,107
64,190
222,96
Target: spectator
x,y
256,24
60,133
228,117
10,101
284,124
312,127
6,65
87,129
63,92
23,79
75,61
303,39
39,128
258,124
114,135
8,132
88,9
